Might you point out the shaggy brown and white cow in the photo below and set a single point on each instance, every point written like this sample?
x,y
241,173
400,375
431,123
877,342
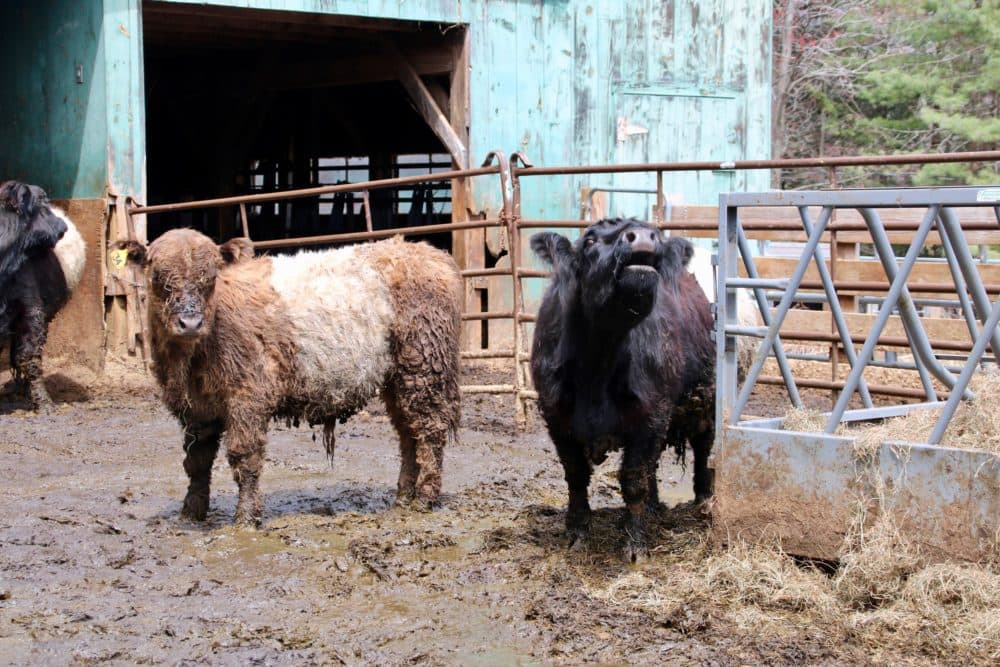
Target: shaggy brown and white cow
x,y
238,341
42,256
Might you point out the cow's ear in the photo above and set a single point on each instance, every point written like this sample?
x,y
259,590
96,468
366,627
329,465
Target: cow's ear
x,y
18,197
133,251
679,253
236,250
554,249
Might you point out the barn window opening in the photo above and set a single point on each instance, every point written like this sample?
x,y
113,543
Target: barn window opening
x,y
248,101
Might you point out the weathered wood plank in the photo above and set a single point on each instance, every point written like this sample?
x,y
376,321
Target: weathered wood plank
x,y
860,324
871,270
428,109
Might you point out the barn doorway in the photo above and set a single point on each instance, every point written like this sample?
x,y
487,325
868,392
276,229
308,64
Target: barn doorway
x,y
244,101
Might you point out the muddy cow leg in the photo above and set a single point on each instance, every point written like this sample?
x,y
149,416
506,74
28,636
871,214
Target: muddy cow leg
x,y
634,478
653,490
26,357
406,489
244,441
423,417
702,445
201,443
577,470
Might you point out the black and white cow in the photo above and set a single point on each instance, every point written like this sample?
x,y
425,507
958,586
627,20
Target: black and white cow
x,y
623,358
42,256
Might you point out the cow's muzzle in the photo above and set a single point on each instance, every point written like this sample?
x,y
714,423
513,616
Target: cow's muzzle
x,y
639,249
189,325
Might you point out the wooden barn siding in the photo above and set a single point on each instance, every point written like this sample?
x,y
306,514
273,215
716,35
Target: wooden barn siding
x,y
552,77
52,128
69,137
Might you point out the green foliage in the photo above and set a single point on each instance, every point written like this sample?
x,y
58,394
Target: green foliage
x,y
903,76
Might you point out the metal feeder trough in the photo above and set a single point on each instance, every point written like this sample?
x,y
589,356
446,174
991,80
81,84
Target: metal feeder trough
x,y
807,489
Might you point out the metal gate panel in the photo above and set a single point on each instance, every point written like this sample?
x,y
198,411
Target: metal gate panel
x,y
808,489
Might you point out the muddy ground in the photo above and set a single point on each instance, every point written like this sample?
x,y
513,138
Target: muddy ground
x,y
96,565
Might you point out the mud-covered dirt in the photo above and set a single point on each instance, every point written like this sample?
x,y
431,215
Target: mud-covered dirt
x,y
96,565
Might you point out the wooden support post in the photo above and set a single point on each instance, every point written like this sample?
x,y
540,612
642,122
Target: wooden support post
x,y
468,246
428,109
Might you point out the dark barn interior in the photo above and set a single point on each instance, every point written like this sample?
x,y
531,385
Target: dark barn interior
x,y
245,101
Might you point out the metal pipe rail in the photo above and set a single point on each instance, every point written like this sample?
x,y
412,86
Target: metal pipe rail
x,y
267,197
795,163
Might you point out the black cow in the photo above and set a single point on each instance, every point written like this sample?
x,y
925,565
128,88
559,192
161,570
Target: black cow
x,y
623,358
41,260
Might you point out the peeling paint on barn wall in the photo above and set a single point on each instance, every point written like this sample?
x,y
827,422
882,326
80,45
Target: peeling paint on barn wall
x,y
126,142
553,78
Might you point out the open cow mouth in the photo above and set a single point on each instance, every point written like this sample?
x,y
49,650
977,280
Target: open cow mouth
x,y
641,261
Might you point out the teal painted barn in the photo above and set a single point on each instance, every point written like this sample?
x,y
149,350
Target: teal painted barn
x,y
173,100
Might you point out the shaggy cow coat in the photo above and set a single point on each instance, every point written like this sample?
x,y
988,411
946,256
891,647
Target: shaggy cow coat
x,y
623,358
237,341
42,256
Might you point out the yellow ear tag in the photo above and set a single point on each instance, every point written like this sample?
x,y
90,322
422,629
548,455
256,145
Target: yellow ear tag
x,y
119,258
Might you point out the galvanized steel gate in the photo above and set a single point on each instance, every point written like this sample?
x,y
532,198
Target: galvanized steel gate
x,y
806,488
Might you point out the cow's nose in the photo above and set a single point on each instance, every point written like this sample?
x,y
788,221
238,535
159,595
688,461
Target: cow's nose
x,y
641,241
190,324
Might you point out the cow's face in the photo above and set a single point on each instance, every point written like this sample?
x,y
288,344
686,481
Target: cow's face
x,y
28,224
614,269
181,268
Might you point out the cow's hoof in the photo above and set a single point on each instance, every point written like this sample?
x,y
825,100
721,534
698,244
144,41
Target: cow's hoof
x,y
636,552
247,520
247,524
403,500
578,536
422,504
195,508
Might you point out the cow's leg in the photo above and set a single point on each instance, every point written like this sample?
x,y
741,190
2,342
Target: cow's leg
x,y
26,356
577,470
423,405
701,443
653,490
635,480
406,488
201,443
244,439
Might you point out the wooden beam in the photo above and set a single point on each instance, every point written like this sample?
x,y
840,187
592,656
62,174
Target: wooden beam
x,y
468,246
787,214
345,71
860,324
428,109
162,15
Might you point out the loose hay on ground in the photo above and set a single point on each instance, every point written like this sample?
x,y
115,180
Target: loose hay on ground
x,y
882,599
